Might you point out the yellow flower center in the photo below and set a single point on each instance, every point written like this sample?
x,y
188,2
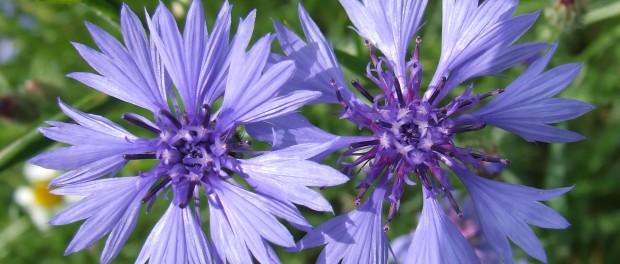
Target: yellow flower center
x,y
43,197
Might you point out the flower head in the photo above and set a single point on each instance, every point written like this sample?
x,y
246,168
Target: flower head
x,y
196,146
415,127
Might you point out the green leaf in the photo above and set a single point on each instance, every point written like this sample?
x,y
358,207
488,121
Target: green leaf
x,y
602,13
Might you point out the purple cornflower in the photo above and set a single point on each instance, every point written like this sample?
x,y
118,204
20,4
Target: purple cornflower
x,y
196,147
414,129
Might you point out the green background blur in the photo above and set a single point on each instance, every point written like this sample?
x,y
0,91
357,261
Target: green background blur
x,y
39,54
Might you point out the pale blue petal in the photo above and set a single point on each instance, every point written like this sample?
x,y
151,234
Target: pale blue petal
x,y
110,201
388,25
228,246
169,43
437,240
73,157
476,32
294,129
214,67
91,171
95,122
242,207
526,107
493,62
356,237
176,238
316,62
138,46
119,234
505,210
289,180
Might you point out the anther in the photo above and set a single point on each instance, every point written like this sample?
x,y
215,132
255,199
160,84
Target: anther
x,y
491,93
205,111
170,117
399,93
139,156
481,97
437,90
190,193
373,56
486,158
384,124
338,94
453,203
152,193
474,127
364,143
362,90
390,216
416,51
361,194
141,122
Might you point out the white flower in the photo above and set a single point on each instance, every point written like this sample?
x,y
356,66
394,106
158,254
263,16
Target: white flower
x,y
36,199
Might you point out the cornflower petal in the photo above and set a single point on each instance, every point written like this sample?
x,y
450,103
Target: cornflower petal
x,y
125,72
111,206
293,129
356,237
388,25
473,31
526,107
273,179
316,62
98,147
176,238
437,240
242,207
507,216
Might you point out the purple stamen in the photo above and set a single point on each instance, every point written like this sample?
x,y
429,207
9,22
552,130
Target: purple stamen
x,y
190,193
373,56
453,203
363,144
390,216
141,122
155,190
205,111
416,51
399,93
437,90
139,156
470,128
362,90
171,118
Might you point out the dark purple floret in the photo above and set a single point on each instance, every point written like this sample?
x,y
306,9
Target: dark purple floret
x,y
412,134
190,151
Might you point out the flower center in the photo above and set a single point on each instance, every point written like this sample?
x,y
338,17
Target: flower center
x,y
413,135
189,153
43,197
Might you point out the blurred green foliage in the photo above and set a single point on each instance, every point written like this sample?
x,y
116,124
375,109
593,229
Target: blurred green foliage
x,y
33,65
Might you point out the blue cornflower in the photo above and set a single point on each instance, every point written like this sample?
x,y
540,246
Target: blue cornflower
x,y
414,129
196,147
